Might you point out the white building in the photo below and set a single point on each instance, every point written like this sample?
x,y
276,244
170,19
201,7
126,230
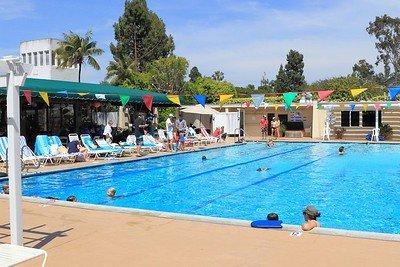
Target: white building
x,y
41,55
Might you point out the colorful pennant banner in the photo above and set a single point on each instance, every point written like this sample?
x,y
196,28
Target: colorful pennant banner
x,y
388,104
45,97
258,99
365,107
201,99
28,96
82,94
377,106
247,104
352,106
224,98
124,99
393,92
148,101
322,95
288,99
356,92
100,96
174,99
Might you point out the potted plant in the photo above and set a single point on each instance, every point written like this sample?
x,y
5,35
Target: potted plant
x,y
386,131
339,132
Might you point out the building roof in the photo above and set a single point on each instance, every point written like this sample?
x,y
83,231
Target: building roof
x,y
88,91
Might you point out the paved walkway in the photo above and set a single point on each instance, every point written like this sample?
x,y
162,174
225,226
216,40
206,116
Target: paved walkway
x,y
77,237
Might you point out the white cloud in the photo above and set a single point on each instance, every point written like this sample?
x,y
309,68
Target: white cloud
x,y
331,38
14,9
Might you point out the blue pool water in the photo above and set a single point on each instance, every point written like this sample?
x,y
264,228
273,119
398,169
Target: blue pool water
x,y
358,191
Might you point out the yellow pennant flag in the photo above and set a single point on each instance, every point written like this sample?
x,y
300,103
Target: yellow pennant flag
x,y
365,107
356,92
83,94
174,99
276,106
296,105
224,98
341,106
45,97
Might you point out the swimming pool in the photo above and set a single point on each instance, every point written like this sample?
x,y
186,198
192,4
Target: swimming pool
x,y
357,191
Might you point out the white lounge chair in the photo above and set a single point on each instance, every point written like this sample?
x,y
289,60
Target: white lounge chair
x,y
94,150
208,137
11,255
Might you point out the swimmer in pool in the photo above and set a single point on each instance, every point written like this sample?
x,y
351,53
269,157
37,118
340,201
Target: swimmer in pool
x,y
341,151
203,158
262,169
270,143
72,199
310,214
111,192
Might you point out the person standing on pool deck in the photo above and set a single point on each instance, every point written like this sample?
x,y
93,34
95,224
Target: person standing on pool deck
x,y
107,134
264,126
169,127
310,214
140,125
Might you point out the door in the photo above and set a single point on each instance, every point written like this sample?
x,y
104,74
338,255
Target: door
x,y
270,116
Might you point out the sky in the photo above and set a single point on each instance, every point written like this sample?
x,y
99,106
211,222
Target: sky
x,y
242,38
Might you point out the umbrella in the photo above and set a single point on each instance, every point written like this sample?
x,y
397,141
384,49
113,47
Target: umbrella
x,y
199,109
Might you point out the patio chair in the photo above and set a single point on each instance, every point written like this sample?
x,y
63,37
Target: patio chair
x,y
151,143
27,155
12,255
93,149
73,137
43,149
208,137
70,157
117,151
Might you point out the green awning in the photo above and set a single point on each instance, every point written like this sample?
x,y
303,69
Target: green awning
x,y
71,90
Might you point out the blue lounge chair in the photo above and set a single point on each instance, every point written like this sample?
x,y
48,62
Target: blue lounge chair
x,y
43,150
94,150
28,158
116,151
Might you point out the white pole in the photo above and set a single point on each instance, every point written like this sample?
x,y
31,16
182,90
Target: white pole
x,y
14,160
377,125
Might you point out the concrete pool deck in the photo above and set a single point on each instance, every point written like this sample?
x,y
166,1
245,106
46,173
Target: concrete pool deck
x,y
79,237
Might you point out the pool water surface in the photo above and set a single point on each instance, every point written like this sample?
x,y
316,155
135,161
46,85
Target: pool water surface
x,y
357,191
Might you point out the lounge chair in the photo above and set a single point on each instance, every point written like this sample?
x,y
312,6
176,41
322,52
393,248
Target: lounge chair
x,y
151,143
73,137
12,255
208,137
70,157
161,135
116,150
43,149
27,155
93,149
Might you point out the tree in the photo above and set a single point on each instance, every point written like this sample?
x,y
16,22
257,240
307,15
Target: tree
x,y
387,32
121,68
281,81
211,88
294,71
194,74
266,86
218,76
78,50
363,70
167,75
140,34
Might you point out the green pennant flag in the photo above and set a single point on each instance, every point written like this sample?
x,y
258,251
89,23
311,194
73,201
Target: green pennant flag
x,y
124,99
319,106
389,104
288,99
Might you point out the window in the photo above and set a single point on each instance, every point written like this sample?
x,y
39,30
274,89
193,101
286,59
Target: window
x,y
53,58
23,58
35,61
47,57
350,118
41,58
30,58
368,118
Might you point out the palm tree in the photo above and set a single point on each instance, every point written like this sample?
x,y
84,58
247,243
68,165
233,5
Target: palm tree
x,y
121,68
78,50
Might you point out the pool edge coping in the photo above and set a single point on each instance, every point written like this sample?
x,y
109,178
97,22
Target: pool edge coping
x,y
210,219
